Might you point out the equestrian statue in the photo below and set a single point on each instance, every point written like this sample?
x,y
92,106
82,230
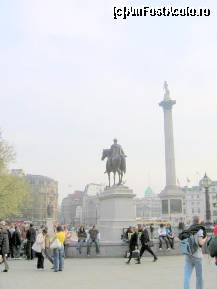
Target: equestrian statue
x,y
116,162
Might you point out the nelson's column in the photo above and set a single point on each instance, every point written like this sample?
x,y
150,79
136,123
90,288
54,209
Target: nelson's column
x,y
172,196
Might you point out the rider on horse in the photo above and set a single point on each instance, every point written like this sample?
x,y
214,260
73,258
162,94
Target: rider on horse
x,y
116,150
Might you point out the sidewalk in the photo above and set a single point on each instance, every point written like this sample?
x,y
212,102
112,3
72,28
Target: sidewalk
x,y
105,273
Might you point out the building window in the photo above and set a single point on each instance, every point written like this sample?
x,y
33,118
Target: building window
x,y
175,206
198,210
192,211
165,208
198,196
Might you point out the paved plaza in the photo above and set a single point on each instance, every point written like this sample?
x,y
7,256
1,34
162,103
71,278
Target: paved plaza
x,y
105,273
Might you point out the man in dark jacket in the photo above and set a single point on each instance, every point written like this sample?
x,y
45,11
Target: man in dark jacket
x,y
4,245
145,244
31,237
16,242
133,245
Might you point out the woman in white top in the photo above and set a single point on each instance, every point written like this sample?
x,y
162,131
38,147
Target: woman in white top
x,y
38,247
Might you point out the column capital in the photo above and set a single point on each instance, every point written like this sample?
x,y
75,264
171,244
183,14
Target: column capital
x,y
167,104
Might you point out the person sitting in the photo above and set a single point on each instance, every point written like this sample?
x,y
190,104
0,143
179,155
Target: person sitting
x,y
170,235
82,237
94,237
162,236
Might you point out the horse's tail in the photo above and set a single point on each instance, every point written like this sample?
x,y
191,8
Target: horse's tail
x,y
123,164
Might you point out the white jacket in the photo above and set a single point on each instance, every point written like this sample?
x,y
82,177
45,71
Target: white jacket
x,y
39,244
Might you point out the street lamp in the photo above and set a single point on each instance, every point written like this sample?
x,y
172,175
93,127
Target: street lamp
x,y
206,183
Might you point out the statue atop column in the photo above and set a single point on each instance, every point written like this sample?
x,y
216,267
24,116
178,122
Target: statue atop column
x,y
167,92
116,162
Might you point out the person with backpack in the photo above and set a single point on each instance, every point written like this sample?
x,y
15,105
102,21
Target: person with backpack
x,y
194,241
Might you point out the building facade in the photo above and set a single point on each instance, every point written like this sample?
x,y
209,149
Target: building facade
x,y
148,207
194,202
43,200
82,207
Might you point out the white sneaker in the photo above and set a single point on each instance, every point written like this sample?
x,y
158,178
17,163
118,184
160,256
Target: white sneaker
x,y
160,249
168,249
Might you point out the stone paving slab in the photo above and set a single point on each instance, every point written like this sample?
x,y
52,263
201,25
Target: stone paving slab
x,y
105,273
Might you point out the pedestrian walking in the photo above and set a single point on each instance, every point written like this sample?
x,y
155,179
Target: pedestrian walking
x,y
133,246
146,244
4,244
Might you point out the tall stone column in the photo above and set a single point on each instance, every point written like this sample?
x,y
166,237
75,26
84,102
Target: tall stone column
x,y
167,105
172,196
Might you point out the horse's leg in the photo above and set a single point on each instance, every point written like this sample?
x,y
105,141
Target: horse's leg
x,y
114,177
121,177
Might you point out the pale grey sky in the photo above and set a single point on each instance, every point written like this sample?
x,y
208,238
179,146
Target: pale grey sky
x,y
72,78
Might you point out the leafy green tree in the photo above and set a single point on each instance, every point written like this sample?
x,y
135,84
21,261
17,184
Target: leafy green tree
x,y
13,189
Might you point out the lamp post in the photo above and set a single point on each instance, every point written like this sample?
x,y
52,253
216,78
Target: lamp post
x,y
206,183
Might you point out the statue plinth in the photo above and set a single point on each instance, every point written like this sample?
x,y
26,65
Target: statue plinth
x,y
117,211
50,226
172,198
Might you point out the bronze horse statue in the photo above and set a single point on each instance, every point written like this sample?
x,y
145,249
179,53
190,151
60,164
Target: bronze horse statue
x,y
114,165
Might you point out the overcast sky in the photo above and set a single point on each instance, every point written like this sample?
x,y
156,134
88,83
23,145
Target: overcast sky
x,y
72,78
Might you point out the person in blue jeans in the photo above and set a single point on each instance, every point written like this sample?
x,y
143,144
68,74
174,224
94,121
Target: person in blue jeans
x,y
195,261
58,253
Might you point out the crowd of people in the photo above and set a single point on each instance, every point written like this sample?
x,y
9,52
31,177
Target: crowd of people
x,y
28,242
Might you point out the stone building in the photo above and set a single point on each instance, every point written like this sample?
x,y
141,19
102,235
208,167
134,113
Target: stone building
x,y
194,202
82,207
148,207
71,208
43,201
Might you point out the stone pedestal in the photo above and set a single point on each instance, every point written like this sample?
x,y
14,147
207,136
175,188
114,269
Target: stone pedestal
x,y
50,226
172,198
117,211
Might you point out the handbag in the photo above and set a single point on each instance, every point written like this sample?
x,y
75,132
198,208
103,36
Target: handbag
x,y
36,247
135,254
56,244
